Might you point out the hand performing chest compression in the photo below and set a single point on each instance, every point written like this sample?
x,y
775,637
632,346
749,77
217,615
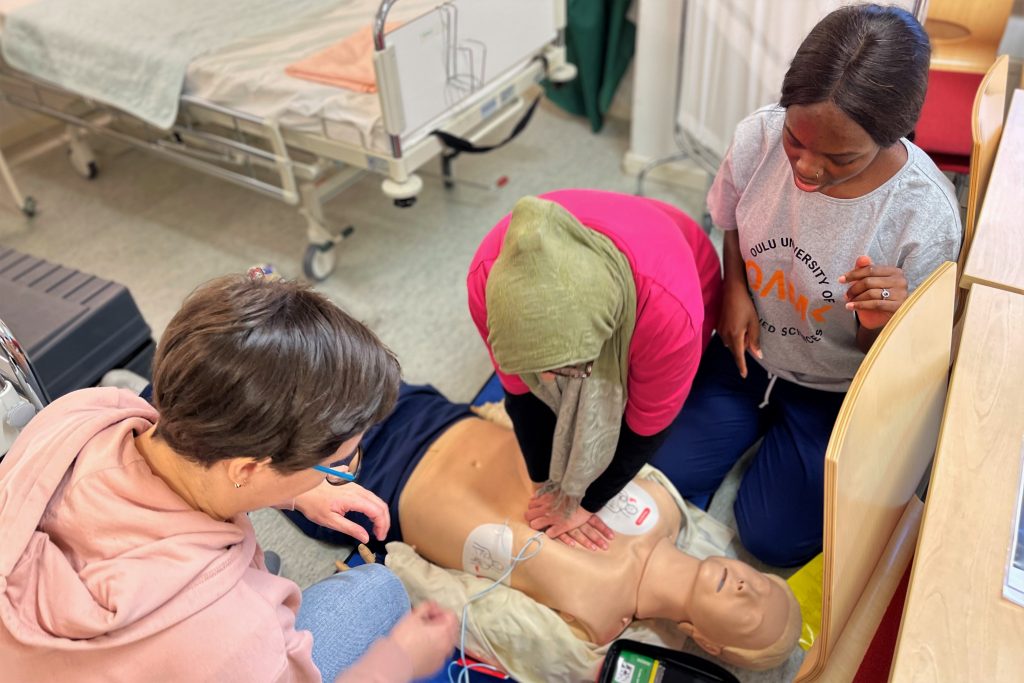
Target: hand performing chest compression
x,y
581,526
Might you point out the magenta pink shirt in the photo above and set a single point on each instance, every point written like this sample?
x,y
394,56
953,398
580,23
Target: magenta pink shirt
x,y
678,291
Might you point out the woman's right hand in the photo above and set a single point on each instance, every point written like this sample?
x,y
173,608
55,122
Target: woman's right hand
x,y
739,327
427,634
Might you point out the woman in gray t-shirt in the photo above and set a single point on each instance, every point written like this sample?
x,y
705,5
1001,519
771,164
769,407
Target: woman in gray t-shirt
x,y
831,218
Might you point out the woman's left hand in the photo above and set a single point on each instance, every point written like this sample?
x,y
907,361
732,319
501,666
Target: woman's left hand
x,y
875,292
327,506
582,527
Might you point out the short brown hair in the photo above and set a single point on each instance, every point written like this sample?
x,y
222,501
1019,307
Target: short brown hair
x,y
871,62
268,369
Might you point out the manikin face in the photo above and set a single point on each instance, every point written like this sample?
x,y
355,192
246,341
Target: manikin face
x,y
734,605
825,147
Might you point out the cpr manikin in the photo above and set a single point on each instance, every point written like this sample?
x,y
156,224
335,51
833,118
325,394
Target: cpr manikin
x,y
462,509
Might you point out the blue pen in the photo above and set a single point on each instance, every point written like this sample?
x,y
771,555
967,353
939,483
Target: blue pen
x,y
336,473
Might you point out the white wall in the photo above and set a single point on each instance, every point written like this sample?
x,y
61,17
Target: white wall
x,y
733,63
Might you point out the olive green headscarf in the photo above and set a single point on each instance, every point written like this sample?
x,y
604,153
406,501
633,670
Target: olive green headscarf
x,y
562,294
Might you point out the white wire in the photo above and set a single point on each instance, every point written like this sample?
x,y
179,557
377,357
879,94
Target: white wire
x,y
521,556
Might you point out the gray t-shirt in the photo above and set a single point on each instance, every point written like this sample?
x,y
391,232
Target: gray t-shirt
x,y
796,244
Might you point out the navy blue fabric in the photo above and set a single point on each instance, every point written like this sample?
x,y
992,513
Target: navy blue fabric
x,y
780,503
492,392
391,451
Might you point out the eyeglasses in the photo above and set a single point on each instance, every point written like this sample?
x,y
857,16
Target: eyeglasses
x,y
335,477
574,371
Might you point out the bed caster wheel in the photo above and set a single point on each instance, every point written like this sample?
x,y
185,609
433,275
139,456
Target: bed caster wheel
x,y
319,261
29,207
562,74
84,165
402,193
81,157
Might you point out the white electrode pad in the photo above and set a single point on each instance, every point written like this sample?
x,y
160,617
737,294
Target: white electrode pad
x,y
632,512
488,551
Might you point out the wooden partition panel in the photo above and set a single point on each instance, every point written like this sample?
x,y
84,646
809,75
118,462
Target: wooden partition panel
x,y
881,445
996,258
987,117
957,627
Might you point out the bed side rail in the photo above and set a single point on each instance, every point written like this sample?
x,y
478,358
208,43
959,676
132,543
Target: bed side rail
x,y
479,40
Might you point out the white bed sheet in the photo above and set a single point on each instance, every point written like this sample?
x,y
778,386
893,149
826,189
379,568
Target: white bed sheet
x,y
8,6
249,75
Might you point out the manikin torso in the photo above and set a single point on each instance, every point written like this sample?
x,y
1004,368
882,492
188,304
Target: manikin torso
x,y
474,475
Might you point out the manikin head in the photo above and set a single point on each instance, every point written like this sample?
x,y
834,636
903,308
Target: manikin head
x,y
742,616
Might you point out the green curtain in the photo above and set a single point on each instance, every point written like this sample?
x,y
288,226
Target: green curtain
x,y
599,41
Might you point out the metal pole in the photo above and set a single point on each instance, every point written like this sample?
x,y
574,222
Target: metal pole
x,y
23,374
379,22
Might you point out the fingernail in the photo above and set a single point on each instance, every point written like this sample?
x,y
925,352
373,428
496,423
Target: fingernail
x,y
760,356
842,279
849,306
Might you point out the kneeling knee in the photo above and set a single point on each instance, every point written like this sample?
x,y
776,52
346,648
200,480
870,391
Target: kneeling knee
x,y
775,548
372,590
384,589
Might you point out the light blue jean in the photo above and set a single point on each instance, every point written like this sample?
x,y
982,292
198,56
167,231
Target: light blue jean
x,y
347,612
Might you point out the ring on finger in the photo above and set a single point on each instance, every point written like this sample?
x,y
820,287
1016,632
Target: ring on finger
x,y
885,293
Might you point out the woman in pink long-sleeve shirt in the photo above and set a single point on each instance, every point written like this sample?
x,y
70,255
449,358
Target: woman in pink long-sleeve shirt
x,y
126,552
677,280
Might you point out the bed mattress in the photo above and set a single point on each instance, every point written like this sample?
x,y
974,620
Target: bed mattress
x,y
249,75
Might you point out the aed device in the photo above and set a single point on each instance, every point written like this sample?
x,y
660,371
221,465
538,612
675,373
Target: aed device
x,y
629,661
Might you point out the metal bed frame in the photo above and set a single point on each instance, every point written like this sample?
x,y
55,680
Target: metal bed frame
x,y
22,395
299,168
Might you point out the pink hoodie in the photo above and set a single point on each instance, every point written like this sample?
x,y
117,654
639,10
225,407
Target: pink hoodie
x,y
106,574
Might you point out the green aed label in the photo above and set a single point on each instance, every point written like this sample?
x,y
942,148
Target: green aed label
x,y
633,668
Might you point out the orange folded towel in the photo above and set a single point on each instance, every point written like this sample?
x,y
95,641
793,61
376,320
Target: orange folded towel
x,y
348,64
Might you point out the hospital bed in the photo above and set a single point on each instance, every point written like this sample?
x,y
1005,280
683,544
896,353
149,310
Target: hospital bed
x,y
450,74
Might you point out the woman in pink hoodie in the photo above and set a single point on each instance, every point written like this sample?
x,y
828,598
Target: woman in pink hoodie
x,y
126,552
